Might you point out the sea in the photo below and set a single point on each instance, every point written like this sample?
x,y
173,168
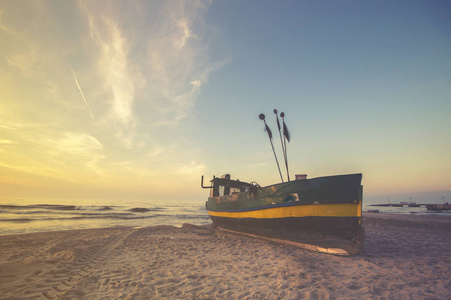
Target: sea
x,y
25,216
19,216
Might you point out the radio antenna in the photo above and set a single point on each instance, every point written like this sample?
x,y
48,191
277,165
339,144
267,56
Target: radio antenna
x,y
268,130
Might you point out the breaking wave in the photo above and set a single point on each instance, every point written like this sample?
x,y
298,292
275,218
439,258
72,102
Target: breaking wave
x,y
47,217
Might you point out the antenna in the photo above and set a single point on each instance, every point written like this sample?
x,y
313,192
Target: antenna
x,y
284,149
286,137
268,130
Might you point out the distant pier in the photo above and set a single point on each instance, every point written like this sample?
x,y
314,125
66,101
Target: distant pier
x,y
445,206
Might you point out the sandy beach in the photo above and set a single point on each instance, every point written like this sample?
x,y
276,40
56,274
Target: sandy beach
x,y
405,257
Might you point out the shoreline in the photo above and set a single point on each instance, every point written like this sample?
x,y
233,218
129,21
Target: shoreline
x,y
404,257
396,219
403,220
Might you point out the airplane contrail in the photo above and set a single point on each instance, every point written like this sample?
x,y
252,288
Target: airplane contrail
x,y
81,92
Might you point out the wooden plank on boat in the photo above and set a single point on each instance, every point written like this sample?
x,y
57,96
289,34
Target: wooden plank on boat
x,y
333,251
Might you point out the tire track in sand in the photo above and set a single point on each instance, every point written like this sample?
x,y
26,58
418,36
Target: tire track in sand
x,y
57,282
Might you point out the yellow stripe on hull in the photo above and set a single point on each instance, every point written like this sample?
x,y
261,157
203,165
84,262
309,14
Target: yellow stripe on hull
x,y
296,211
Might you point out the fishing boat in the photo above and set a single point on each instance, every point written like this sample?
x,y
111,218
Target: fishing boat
x,y
322,214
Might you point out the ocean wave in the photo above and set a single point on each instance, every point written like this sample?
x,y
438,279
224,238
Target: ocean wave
x,y
54,207
25,217
193,217
119,216
139,209
18,220
143,209
26,220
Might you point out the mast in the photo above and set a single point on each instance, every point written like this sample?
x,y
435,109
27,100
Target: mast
x,y
268,130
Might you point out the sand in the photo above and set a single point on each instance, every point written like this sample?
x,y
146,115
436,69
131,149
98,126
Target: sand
x,y
405,257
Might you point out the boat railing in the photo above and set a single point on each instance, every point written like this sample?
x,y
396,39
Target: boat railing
x,y
202,183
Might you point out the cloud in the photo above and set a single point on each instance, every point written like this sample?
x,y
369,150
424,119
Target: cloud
x,y
25,62
114,65
146,62
83,148
185,101
120,76
32,152
186,33
152,58
7,142
142,66
79,144
192,168
176,61
3,27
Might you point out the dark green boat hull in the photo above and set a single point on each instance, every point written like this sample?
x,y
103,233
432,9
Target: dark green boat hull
x,y
322,211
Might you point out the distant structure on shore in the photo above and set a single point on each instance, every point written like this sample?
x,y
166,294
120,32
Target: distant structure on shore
x,y
431,207
445,206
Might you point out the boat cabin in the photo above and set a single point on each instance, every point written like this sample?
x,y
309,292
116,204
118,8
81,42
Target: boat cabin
x,y
225,186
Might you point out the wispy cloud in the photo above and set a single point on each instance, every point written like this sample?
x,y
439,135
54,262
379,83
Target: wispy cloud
x,y
32,152
25,61
159,63
139,69
185,33
192,168
120,77
178,61
79,144
7,142
3,27
153,61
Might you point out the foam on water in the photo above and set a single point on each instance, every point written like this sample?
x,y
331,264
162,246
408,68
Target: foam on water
x,y
22,217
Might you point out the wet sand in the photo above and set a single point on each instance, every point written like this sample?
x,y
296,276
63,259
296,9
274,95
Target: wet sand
x,y
404,257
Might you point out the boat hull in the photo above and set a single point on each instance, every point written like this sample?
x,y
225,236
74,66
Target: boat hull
x,y
325,212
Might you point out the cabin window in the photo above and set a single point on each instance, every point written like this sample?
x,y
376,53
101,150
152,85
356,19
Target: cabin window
x,y
221,190
234,190
292,197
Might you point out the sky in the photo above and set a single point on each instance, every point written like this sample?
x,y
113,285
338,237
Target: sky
x,y
119,100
